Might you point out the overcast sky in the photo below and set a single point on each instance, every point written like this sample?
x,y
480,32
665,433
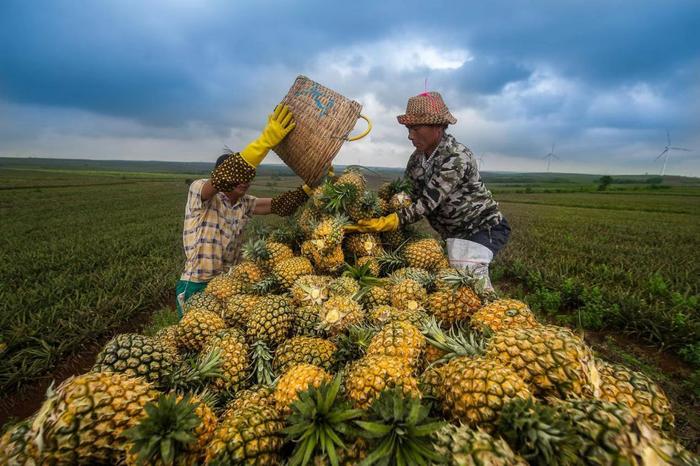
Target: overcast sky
x,y
178,80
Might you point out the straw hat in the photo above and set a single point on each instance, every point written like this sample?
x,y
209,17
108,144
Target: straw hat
x,y
427,109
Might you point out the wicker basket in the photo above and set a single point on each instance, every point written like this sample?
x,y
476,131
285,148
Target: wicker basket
x,y
323,119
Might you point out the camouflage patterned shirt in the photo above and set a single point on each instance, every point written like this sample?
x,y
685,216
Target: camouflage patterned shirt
x,y
448,191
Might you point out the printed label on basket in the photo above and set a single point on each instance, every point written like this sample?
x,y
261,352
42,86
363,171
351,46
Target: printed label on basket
x,y
316,94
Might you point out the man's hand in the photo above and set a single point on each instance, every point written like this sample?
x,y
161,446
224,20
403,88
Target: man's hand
x,y
279,124
375,225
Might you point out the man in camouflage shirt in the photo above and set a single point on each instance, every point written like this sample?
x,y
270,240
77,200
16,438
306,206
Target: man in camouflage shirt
x,y
447,190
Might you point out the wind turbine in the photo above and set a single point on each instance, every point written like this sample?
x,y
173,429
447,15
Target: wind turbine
x,y
667,151
480,161
550,156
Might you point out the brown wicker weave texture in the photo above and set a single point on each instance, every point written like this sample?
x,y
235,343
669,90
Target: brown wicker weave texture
x,y
323,119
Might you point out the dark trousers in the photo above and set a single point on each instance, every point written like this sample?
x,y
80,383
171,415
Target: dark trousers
x,y
494,238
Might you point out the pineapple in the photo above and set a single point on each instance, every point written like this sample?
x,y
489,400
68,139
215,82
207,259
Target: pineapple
x,y
167,337
297,350
328,233
84,421
425,254
372,264
551,359
174,428
473,390
196,327
233,350
407,294
136,356
331,262
367,377
447,309
247,272
459,284
400,339
383,314
259,395
271,320
343,286
251,435
637,391
17,446
394,239
238,307
354,178
340,312
307,322
204,301
375,296
266,253
503,314
288,270
611,434
224,286
399,201
461,446
366,205
298,378
364,244
309,290
309,216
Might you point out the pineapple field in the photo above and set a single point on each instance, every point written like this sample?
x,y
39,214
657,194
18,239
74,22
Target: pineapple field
x,y
323,347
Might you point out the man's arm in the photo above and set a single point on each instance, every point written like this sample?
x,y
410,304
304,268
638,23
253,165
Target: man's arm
x,y
263,206
208,190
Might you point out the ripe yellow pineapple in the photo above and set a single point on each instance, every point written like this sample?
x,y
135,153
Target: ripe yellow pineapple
x,y
297,379
367,377
84,421
364,244
330,262
270,320
343,286
251,435
619,384
233,351
224,286
365,205
247,271
463,445
267,253
407,294
238,307
339,313
205,301
400,339
307,321
399,201
167,336
309,217
383,314
552,360
298,350
328,233
354,178
372,264
288,270
18,447
375,296
425,254
473,390
196,327
258,395
503,314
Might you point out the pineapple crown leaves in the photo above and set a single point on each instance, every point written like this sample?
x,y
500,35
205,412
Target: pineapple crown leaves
x,y
195,372
389,261
458,341
288,232
336,197
166,430
457,278
539,433
399,430
267,285
401,184
362,274
352,344
320,422
255,249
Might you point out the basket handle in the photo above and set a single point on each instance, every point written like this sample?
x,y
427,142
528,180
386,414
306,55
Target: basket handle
x,y
365,132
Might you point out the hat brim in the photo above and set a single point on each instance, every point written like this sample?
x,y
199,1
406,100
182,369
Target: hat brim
x,y
426,119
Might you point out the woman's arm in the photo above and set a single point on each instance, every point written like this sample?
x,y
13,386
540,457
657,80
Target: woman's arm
x,y
263,206
208,190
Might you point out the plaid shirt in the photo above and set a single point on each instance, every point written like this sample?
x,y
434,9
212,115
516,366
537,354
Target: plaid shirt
x,y
212,233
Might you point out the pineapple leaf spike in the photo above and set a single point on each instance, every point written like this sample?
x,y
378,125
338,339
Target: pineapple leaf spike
x,y
319,423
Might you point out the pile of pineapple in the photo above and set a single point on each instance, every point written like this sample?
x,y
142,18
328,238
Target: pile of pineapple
x,y
323,347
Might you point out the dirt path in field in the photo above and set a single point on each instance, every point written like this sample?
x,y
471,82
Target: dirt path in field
x,y
27,400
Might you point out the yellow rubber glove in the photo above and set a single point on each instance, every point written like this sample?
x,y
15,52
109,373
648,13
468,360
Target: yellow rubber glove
x,y
375,225
279,125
